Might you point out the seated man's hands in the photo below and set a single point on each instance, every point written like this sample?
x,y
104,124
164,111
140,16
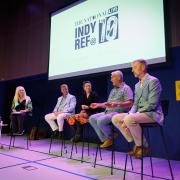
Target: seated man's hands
x,y
112,104
98,105
94,105
84,107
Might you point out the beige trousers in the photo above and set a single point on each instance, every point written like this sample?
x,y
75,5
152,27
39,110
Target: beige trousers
x,y
128,124
50,118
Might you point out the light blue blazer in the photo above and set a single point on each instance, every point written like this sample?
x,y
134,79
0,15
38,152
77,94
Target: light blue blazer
x,y
147,99
69,105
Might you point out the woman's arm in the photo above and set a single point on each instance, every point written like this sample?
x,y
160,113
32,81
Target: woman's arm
x,y
13,107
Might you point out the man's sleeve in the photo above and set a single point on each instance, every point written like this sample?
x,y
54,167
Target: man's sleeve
x,y
72,104
56,107
134,107
128,94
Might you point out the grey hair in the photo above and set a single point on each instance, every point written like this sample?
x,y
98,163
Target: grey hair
x,y
118,73
141,61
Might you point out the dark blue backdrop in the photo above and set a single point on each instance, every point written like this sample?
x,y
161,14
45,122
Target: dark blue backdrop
x,y
44,94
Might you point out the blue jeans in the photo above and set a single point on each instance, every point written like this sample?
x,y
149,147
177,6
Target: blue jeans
x,y
101,123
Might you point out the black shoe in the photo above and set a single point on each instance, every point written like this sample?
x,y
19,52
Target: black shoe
x,y
76,138
55,133
20,133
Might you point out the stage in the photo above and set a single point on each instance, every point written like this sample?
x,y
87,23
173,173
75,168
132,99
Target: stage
x,y
35,163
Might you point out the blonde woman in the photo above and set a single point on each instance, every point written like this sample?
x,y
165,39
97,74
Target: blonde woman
x,y
21,110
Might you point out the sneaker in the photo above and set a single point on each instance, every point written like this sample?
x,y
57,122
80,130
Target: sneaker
x,y
106,143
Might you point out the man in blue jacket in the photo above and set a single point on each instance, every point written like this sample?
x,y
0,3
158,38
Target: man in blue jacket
x,y
146,108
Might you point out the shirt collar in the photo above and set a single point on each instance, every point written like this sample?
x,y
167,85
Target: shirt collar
x,y
142,80
65,96
121,85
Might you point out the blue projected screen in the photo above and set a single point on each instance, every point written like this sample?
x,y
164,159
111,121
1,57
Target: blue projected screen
x,y
95,35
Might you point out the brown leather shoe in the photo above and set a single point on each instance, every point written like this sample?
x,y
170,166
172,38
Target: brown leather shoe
x,y
138,153
106,143
133,152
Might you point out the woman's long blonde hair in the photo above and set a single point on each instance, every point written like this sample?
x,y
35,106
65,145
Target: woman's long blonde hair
x,y
16,96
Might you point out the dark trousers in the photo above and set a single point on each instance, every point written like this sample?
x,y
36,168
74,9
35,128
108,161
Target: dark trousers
x,y
17,122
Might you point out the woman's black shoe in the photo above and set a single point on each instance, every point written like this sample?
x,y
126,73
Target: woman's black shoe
x,y
20,133
76,138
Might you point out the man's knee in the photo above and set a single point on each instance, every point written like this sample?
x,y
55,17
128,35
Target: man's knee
x,y
129,120
102,121
100,124
116,120
92,119
61,117
46,117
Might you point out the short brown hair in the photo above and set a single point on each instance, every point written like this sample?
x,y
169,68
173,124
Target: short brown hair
x,y
85,82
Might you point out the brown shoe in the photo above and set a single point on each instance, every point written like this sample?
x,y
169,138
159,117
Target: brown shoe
x,y
138,153
133,152
106,143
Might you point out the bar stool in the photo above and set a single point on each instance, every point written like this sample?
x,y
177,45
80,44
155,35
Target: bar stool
x,y
1,125
85,128
165,108
113,153
60,137
13,137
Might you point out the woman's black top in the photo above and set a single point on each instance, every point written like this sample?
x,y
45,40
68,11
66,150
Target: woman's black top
x,y
21,105
92,98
